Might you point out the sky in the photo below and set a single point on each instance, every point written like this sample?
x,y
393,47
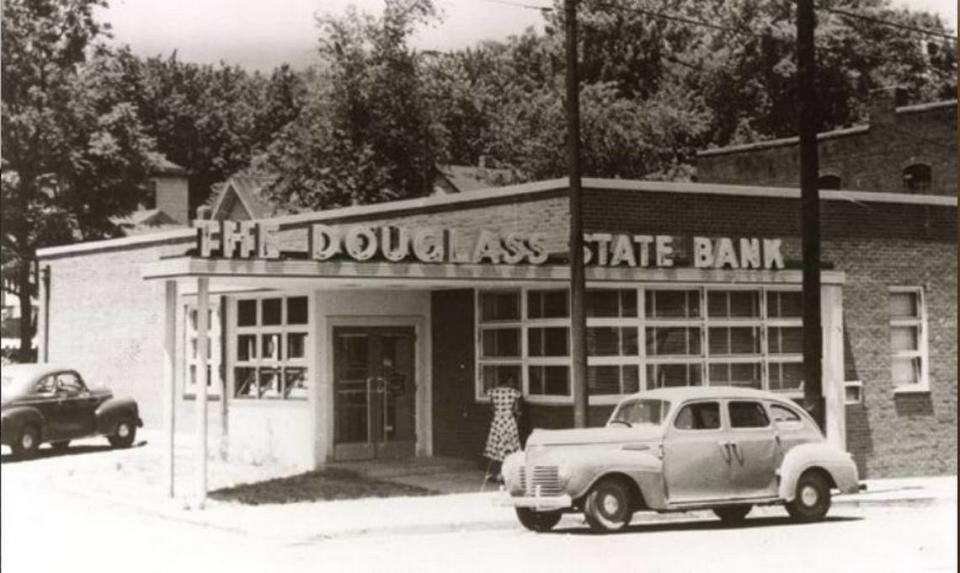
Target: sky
x,y
262,34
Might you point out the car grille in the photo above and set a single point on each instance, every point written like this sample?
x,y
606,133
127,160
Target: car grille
x,y
544,477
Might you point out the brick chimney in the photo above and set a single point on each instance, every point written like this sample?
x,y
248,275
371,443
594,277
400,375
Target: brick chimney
x,y
171,195
883,104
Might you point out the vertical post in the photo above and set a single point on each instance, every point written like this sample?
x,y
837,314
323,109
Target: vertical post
x,y
169,384
203,327
578,315
43,315
810,214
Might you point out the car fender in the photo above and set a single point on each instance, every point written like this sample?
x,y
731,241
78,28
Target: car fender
x,y
15,418
641,465
836,462
112,411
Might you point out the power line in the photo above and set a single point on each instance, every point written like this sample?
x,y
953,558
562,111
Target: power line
x,y
702,24
888,23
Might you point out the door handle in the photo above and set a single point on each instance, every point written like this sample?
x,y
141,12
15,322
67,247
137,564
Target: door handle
x,y
725,449
736,451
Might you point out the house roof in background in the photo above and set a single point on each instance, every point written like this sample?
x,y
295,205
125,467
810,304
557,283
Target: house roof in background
x,y
247,189
463,178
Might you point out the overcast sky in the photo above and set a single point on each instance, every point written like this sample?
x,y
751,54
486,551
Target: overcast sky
x,y
261,34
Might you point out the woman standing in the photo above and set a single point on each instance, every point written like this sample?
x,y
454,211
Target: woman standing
x,y
504,436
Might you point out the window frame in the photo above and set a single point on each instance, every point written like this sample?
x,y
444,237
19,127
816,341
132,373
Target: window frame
x,y
259,331
215,345
642,360
922,353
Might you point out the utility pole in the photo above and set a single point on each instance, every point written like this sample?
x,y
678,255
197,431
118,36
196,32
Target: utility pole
x,y
810,215
578,312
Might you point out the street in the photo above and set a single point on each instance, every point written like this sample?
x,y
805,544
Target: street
x,y
46,528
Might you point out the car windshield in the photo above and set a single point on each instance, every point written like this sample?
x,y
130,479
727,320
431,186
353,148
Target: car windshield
x,y
641,411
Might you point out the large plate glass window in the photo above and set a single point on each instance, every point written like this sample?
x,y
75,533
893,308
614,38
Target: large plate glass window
x,y
908,339
270,345
214,350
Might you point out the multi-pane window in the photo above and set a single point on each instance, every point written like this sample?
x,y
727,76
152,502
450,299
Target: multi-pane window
x,y
908,344
214,352
500,356
673,332
641,338
547,328
270,345
613,342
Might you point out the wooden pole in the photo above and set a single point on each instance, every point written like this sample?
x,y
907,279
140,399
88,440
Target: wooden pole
x,y
810,214
578,315
203,328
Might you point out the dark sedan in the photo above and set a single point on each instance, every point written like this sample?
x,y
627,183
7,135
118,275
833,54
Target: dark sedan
x,y
44,403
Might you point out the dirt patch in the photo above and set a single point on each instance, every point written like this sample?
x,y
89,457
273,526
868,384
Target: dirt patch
x,y
319,485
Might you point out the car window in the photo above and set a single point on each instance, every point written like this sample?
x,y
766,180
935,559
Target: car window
x,y
69,383
46,387
699,416
782,414
747,415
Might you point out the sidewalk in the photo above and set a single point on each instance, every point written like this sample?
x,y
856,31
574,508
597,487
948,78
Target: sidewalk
x,y
132,480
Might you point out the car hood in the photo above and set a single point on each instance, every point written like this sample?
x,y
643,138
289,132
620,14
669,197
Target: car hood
x,y
585,436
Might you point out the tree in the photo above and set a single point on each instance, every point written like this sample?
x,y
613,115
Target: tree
x,y
73,154
367,132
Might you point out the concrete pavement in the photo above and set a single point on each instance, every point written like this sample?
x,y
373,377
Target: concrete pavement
x,y
130,478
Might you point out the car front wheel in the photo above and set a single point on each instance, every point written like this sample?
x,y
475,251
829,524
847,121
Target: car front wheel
x,y
124,435
608,506
812,499
27,442
538,521
733,513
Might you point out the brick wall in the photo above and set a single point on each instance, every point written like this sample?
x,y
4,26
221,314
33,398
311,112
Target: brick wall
x,y
867,160
877,245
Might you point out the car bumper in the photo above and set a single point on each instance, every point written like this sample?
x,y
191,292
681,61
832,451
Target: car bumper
x,y
535,502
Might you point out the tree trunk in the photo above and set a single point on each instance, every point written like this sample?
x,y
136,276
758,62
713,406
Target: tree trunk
x,y
26,312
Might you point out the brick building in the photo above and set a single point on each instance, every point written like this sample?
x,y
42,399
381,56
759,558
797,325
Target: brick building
x,y
903,149
376,330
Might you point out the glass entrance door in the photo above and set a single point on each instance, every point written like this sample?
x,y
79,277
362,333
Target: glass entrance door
x,y
374,392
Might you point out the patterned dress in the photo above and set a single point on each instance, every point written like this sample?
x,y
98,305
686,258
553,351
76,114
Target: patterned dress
x,y
504,437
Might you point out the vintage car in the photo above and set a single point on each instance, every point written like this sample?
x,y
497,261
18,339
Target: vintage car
x,y
680,449
44,403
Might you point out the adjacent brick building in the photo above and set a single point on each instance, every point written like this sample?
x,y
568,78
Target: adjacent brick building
x,y
903,149
360,354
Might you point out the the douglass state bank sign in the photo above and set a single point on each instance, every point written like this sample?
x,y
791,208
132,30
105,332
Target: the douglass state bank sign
x,y
259,239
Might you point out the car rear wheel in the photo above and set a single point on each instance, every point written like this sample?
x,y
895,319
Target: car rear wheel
x,y
538,521
732,513
124,435
608,506
27,442
812,499
61,445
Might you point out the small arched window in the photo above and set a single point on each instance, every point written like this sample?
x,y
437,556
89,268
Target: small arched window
x,y
917,178
828,182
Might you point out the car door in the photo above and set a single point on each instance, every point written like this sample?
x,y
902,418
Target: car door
x,y
75,405
696,463
753,448
43,397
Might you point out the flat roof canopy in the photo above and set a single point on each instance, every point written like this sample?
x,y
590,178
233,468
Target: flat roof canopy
x,y
382,274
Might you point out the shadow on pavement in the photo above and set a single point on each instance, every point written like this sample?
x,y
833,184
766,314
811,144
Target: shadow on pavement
x,y
705,525
46,452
